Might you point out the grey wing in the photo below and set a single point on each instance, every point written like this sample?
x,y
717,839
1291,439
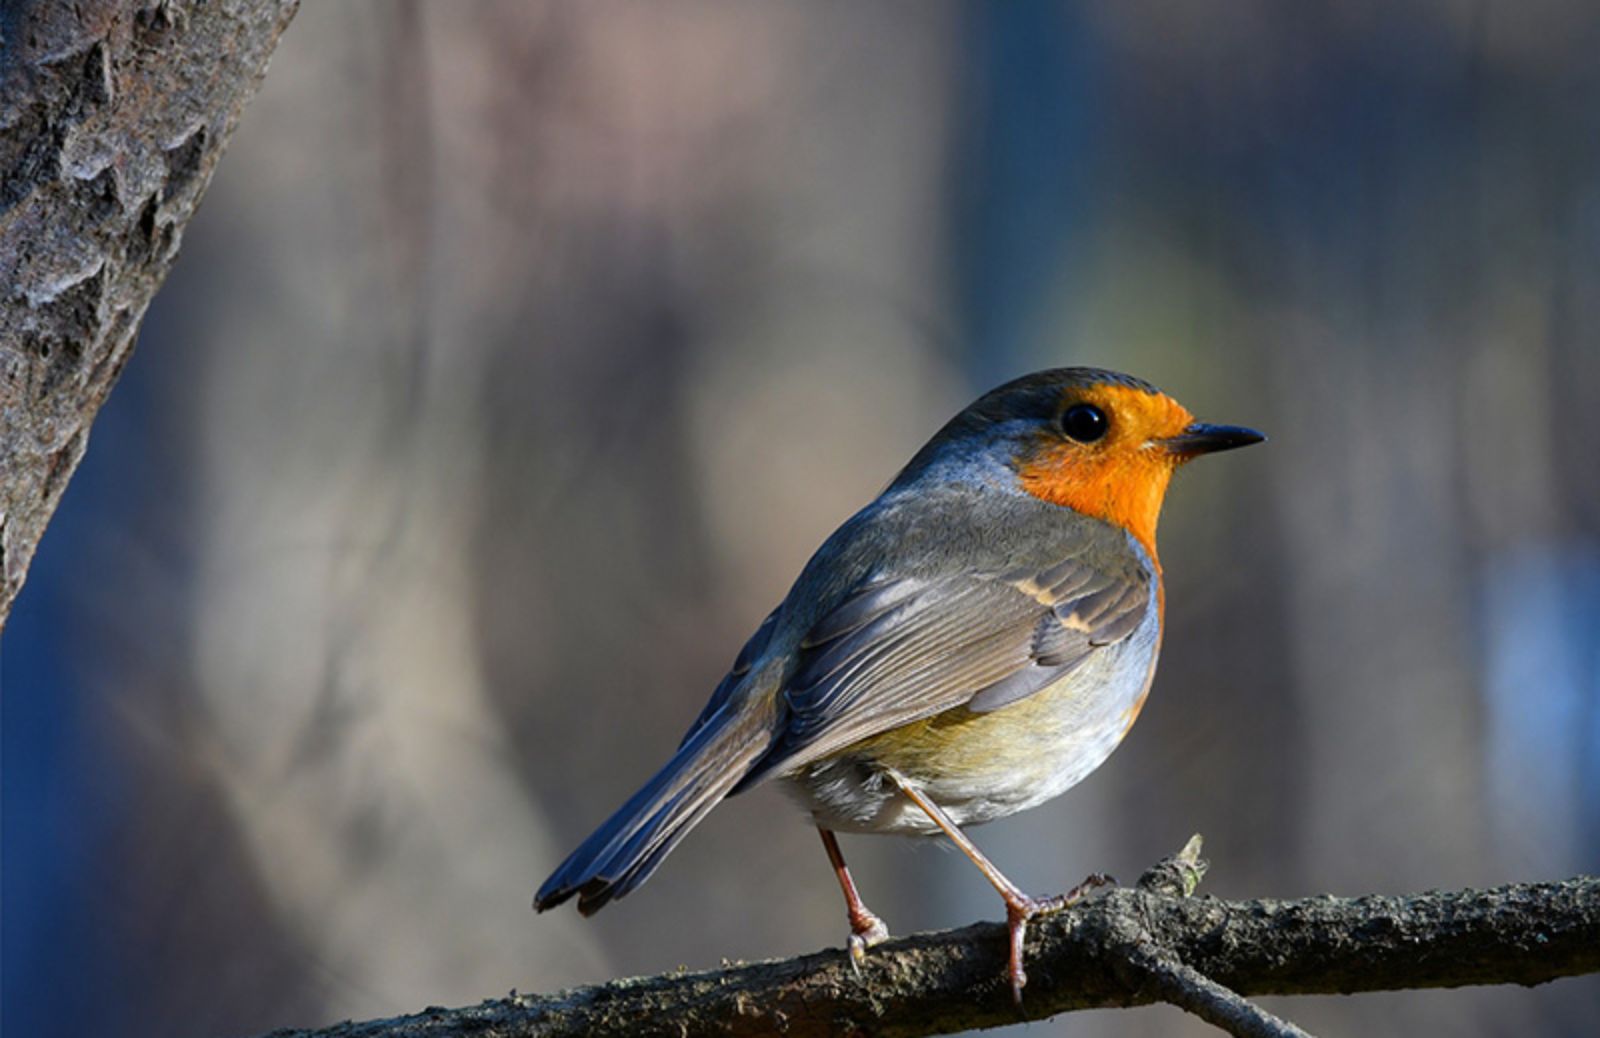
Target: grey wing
x,y
1085,610
899,650
753,648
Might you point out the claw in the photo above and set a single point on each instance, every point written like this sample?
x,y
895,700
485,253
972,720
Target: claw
x,y
1017,924
1021,909
865,933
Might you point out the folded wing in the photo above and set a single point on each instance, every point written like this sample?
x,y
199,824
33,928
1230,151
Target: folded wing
x,y
900,649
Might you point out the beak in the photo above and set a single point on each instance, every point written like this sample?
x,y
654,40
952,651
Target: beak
x,y
1200,438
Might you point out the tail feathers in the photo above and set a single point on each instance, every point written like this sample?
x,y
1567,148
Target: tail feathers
x,y
631,844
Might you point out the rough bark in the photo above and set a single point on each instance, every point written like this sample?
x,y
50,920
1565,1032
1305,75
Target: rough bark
x,y
1126,948
112,117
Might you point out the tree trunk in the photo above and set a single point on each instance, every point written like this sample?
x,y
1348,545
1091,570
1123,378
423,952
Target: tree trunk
x,y
114,115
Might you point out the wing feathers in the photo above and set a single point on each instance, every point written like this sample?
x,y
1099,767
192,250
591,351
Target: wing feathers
x,y
903,649
861,608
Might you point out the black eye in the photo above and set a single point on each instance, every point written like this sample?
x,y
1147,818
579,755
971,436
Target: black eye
x,y
1085,423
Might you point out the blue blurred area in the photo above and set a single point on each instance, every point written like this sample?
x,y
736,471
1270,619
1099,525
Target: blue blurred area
x,y
1542,680
1025,152
62,792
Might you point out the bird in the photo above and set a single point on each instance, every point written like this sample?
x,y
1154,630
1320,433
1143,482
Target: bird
x,y
972,643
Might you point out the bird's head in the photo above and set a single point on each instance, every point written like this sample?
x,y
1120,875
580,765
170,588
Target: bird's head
x,y
1099,442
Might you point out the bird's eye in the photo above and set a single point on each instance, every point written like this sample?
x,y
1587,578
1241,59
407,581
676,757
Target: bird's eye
x,y
1085,423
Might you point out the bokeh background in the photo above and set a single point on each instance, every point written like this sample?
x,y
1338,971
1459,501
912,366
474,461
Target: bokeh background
x,y
522,353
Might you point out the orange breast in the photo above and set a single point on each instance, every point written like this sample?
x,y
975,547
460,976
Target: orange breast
x,y
1125,492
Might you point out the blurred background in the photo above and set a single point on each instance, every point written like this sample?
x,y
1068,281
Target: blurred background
x,y
522,353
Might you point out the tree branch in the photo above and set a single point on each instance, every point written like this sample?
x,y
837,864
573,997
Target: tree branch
x,y
1170,981
1150,966
114,115
1088,957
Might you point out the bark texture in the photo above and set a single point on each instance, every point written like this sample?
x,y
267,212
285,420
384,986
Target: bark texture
x,y
112,117
1095,955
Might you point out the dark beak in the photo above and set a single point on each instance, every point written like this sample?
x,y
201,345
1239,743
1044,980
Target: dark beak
x,y
1200,438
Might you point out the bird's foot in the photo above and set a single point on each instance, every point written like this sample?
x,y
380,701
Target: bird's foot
x,y
866,931
1021,909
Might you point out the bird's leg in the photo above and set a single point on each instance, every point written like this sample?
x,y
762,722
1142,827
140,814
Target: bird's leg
x,y
866,929
1020,908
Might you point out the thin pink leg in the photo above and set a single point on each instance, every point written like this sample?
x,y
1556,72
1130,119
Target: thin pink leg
x,y
1020,908
866,929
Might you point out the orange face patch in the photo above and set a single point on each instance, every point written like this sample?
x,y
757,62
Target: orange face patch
x,y
1121,477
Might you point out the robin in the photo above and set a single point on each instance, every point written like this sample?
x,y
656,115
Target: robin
x,y
971,644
